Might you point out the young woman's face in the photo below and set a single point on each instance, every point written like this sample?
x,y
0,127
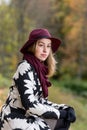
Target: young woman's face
x,y
43,48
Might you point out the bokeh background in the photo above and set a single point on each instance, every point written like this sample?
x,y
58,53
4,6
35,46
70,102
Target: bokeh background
x,y
66,19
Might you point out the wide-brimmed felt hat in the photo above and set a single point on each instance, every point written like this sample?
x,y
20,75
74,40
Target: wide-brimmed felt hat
x,y
38,34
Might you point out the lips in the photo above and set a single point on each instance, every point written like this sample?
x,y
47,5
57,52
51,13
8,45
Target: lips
x,y
44,55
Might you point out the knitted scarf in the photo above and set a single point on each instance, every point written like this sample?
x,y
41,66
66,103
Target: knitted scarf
x,y
41,70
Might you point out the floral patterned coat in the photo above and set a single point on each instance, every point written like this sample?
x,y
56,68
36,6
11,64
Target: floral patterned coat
x,y
25,107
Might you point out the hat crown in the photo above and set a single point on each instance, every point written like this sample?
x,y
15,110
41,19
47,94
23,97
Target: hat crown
x,y
39,33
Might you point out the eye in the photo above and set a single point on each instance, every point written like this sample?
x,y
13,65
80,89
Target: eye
x,y
40,44
49,46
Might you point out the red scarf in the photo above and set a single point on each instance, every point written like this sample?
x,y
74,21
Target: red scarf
x,y
41,70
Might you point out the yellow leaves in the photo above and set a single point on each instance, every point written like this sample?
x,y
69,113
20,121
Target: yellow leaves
x,y
75,4
13,61
73,34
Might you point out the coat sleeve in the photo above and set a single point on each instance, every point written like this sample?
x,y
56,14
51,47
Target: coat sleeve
x,y
24,80
55,105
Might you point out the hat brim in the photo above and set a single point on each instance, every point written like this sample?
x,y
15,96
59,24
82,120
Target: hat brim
x,y
55,44
28,43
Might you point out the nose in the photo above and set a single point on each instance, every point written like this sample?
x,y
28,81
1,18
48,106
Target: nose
x,y
45,49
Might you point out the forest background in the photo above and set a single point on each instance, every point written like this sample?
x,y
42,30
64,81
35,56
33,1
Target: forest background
x,y
65,19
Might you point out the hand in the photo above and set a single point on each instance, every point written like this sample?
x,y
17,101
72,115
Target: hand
x,y
71,117
63,114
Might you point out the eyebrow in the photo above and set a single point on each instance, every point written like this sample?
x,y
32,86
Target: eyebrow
x,y
43,42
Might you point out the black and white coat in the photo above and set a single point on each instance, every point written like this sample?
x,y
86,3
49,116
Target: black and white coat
x,y
25,107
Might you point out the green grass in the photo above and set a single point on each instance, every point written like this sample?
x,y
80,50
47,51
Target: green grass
x,y
4,82
78,87
60,95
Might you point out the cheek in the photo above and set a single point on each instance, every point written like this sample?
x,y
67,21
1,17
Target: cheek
x,y
49,51
37,53
38,50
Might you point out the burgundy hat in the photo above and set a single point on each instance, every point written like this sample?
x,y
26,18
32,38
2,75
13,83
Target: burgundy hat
x,y
38,34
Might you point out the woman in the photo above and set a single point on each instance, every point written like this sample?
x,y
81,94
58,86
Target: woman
x,y
27,106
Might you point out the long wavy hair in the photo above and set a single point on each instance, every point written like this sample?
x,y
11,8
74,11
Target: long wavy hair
x,y
50,62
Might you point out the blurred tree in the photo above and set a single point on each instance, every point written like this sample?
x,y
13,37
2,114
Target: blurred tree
x,y
65,19
60,10
68,21
83,48
39,11
15,25
76,48
7,38
23,21
17,19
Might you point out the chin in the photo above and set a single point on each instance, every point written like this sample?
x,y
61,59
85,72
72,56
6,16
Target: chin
x,y
42,60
